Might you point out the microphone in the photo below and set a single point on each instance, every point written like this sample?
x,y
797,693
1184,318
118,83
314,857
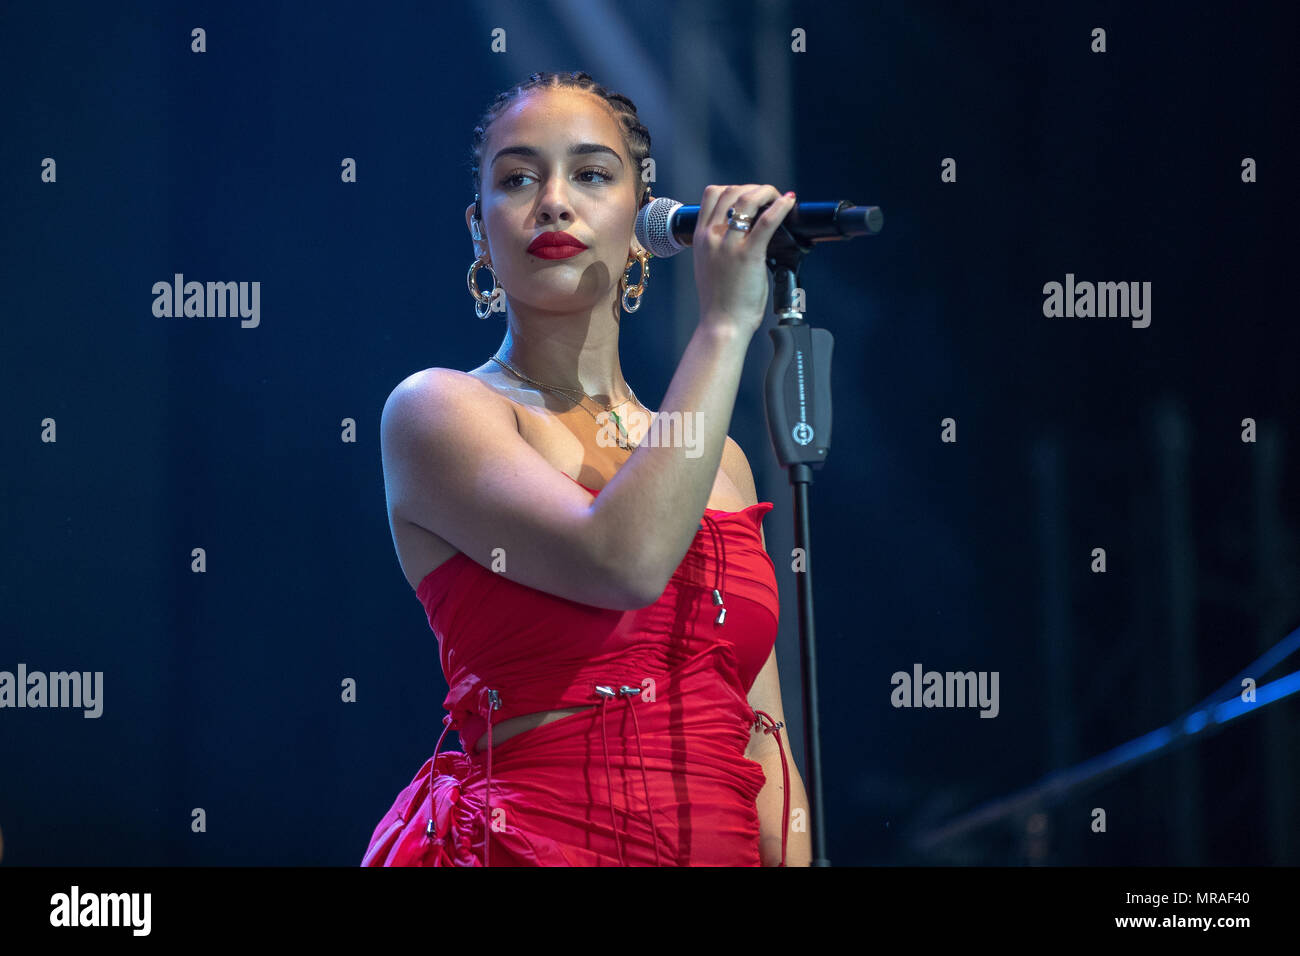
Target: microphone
x,y
665,227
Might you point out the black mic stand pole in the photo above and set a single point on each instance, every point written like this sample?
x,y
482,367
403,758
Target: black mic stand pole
x,y
797,394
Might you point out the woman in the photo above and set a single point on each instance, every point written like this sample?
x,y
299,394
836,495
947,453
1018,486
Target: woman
x,y
610,654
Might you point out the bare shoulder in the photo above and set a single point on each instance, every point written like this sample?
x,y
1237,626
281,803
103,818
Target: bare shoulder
x,y
434,381
433,390
430,419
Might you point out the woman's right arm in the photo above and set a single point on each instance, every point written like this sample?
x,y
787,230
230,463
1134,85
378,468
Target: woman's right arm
x,y
659,495
456,465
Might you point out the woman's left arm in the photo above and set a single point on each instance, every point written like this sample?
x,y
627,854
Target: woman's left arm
x,y
765,695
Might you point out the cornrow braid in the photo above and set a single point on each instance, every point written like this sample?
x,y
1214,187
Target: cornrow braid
x,y
635,136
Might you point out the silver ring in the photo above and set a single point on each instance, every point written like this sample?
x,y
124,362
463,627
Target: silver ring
x,y
739,221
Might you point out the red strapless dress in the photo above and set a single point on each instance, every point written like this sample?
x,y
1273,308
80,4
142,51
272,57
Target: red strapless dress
x,y
654,774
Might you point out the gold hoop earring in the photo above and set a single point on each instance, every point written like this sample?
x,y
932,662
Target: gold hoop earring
x,y
634,292
483,302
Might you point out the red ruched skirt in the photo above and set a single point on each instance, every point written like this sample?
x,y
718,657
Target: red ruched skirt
x,y
685,797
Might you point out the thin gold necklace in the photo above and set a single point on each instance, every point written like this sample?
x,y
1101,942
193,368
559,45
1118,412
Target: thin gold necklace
x,y
626,442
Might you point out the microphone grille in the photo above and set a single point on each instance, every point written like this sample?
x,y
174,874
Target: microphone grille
x,y
652,228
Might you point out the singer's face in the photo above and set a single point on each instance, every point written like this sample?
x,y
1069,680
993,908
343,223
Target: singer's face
x,y
533,184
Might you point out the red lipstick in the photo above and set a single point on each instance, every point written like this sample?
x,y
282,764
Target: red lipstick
x,y
555,244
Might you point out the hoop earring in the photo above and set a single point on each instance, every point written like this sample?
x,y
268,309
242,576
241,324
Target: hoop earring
x,y
483,303
634,292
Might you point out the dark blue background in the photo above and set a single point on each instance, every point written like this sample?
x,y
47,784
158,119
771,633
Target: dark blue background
x,y
222,690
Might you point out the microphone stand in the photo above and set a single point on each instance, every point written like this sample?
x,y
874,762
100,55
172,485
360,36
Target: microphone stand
x,y
797,396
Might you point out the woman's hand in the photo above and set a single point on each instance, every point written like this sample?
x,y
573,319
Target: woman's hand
x,y
730,266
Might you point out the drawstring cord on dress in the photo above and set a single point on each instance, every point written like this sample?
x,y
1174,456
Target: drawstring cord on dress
x,y
431,830
774,727
494,700
719,567
605,692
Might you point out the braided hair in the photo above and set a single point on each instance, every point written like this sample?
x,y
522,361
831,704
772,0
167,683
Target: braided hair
x,y
635,136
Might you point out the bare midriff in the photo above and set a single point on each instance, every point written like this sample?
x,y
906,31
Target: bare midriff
x,y
516,725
